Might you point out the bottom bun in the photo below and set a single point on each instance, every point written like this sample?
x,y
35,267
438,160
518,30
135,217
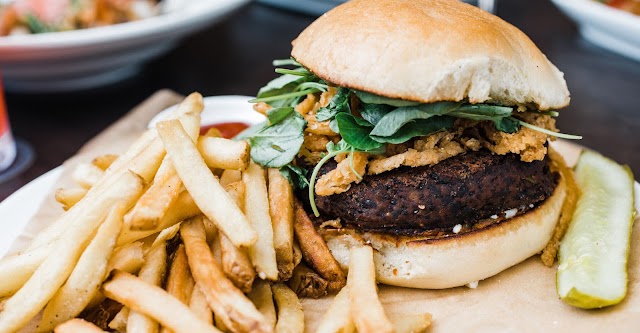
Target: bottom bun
x,y
459,259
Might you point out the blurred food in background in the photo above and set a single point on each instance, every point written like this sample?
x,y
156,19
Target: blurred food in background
x,y
19,17
632,6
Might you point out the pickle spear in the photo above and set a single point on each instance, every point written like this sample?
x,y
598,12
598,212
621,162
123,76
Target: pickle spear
x,y
592,270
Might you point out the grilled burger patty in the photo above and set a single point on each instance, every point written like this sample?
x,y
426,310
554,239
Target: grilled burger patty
x,y
460,190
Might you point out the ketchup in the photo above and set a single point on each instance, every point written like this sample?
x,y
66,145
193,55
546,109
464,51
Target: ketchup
x,y
228,130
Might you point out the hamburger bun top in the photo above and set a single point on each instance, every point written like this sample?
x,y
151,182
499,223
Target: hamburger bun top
x,y
429,51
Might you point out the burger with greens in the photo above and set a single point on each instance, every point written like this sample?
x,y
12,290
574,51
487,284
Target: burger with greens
x,y
422,129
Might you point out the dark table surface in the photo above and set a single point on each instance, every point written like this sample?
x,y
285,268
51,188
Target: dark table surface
x,y
234,57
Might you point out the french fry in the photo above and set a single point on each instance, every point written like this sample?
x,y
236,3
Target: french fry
x,y
368,314
262,253
154,302
87,276
281,210
145,164
224,153
69,196
262,296
230,176
290,315
166,185
15,270
235,261
338,319
204,188
198,304
307,283
418,323
86,175
128,258
104,161
78,326
227,302
119,322
179,282
181,209
315,250
53,272
152,273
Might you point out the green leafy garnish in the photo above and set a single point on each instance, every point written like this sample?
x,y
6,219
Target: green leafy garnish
x,y
339,103
278,144
370,98
374,112
415,128
297,176
391,123
356,132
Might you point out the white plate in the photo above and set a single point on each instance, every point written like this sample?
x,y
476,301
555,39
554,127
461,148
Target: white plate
x,y
17,210
605,26
81,59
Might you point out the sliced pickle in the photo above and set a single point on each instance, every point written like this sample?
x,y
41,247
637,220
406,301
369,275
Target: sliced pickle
x,y
592,271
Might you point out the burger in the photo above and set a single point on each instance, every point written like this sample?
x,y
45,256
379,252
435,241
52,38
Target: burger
x,y
421,128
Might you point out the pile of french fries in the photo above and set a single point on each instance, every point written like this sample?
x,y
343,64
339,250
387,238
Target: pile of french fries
x,y
183,233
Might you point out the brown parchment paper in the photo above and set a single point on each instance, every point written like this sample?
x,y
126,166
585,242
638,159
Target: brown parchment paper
x,y
520,299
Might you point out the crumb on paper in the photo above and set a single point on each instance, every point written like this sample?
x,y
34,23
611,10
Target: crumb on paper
x,y
473,285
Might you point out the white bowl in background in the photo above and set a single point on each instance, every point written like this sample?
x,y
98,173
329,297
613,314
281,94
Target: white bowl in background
x,y
610,28
87,58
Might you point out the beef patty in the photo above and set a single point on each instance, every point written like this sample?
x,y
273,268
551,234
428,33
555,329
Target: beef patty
x,y
460,190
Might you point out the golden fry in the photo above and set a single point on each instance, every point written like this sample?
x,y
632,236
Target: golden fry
x,y
53,272
86,175
128,258
315,250
227,302
69,196
87,276
281,210
224,153
104,161
262,296
411,323
154,302
179,282
290,315
262,253
78,326
204,188
338,319
198,304
368,314
151,273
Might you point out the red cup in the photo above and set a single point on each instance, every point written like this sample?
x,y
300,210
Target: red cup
x,y
7,143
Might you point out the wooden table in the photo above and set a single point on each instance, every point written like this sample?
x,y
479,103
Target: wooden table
x,y
235,58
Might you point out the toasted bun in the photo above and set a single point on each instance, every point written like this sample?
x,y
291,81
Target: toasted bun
x,y
459,259
428,51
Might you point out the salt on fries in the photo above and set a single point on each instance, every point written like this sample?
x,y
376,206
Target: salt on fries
x,y
152,241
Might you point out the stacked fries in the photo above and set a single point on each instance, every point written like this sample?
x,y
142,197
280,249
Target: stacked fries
x,y
153,241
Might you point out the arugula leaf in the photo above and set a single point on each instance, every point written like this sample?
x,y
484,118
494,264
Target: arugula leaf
x,y
355,132
249,132
370,98
333,125
507,125
417,127
277,115
281,85
339,103
277,145
374,112
391,123
297,176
